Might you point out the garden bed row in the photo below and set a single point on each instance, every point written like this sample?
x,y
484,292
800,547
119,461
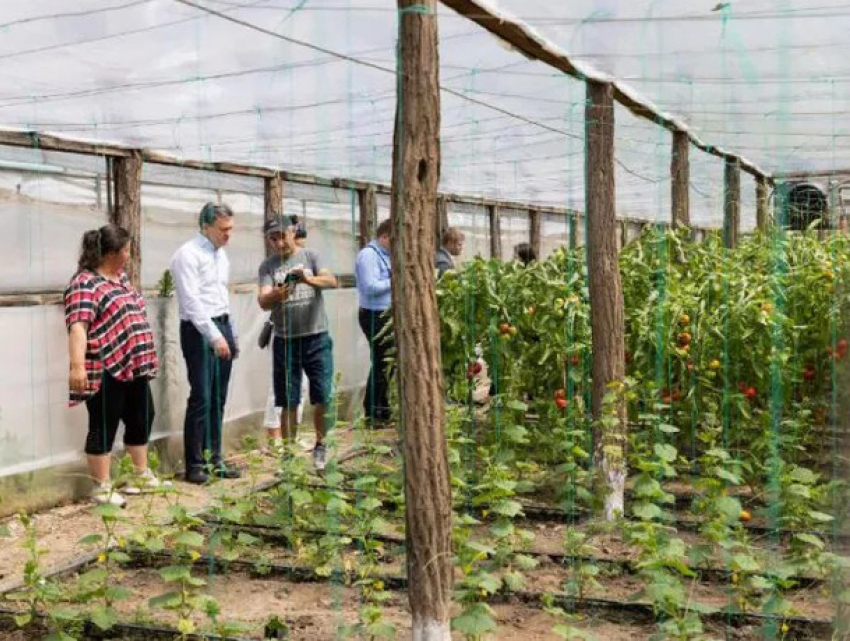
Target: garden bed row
x,y
798,627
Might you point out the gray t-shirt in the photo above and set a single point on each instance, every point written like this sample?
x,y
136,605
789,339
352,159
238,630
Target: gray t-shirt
x,y
303,313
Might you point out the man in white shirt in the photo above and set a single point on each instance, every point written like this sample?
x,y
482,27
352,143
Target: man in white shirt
x,y
208,339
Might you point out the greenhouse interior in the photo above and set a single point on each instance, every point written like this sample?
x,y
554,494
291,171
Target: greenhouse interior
x,y
620,412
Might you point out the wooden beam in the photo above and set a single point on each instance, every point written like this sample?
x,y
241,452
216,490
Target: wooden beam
x,y
272,204
495,218
680,176
519,36
534,232
36,140
572,225
762,204
805,175
607,317
368,215
731,203
442,220
127,212
32,139
421,390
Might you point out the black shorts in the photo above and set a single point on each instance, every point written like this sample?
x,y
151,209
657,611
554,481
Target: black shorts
x,y
116,401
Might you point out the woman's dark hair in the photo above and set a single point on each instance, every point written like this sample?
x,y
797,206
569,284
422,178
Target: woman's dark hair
x,y
97,243
525,252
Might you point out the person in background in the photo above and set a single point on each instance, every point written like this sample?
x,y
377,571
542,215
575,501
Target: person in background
x,y
450,248
524,253
208,340
372,272
291,281
271,419
112,359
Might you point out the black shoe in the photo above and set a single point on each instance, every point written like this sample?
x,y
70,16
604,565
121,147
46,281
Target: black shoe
x,y
226,472
197,477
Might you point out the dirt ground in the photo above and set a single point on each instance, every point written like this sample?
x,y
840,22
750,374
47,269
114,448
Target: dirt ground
x,y
316,611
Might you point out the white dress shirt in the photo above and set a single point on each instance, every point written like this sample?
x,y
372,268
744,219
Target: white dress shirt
x,y
201,273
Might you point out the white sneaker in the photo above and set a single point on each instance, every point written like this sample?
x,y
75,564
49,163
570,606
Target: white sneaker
x,y
105,494
146,482
319,457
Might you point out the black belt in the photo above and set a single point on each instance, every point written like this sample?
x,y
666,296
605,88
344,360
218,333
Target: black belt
x,y
224,318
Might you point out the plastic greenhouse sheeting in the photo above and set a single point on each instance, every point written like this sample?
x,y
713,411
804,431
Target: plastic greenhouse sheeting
x,y
310,86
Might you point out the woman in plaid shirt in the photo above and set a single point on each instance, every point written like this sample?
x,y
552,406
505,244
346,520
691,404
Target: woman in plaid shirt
x,y
112,359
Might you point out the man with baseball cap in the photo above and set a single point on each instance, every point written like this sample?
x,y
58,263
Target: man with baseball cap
x,y
291,281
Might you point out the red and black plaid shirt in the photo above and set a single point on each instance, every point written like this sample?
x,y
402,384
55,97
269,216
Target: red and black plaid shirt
x,y
119,335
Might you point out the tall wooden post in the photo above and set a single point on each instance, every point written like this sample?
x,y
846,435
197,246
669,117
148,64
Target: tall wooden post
x,y
534,232
416,176
572,229
442,220
731,203
762,213
368,210
606,298
127,211
680,175
272,202
495,231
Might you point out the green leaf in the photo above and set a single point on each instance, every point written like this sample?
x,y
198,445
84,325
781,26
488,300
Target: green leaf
x,y
730,507
728,476
104,617
369,504
90,539
489,583
167,601
665,452
475,620
525,562
189,539
810,539
22,620
506,508
667,428
717,453
174,573
821,517
517,406
647,511
502,529
745,563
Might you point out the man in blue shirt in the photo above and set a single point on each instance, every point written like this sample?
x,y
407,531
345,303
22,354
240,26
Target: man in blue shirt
x,y
372,271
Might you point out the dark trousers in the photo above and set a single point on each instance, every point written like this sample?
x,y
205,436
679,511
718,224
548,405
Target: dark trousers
x,y
209,377
376,403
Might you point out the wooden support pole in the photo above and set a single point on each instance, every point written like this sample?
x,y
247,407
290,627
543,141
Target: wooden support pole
x,y
534,232
495,231
272,202
127,211
442,220
731,203
762,212
368,206
572,228
606,297
680,175
416,175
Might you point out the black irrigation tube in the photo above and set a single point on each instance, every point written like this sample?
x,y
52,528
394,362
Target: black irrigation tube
x,y
124,631
272,534
800,627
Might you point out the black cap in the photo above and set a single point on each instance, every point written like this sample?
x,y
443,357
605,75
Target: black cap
x,y
279,224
